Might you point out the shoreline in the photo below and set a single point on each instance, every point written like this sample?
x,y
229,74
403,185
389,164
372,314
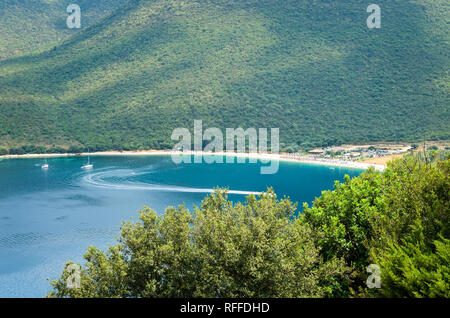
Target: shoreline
x,y
261,156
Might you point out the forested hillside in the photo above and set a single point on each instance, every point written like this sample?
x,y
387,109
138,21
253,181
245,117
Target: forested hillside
x,y
311,68
28,25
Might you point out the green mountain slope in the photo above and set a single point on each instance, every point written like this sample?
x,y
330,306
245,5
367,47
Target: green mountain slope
x,y
313,69
29,25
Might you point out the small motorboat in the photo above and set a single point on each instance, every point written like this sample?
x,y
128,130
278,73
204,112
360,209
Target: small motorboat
x,y
45,165
88,166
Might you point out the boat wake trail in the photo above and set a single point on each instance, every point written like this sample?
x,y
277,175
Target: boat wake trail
x,y
122,179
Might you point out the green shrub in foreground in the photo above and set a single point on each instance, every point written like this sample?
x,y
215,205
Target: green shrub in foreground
x,y
256,249
398,219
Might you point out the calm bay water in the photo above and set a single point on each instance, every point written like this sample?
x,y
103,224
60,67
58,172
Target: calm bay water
x,y
49,217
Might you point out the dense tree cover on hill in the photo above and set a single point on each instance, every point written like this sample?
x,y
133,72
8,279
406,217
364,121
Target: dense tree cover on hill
x,y
28,26
313,69
398,219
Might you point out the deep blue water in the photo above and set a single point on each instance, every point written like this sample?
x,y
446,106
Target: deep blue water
x,y
49,217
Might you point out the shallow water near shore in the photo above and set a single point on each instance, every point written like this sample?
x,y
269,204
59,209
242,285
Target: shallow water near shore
x,y
50,216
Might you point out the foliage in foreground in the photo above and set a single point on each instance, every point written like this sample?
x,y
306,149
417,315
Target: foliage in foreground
x,y
260,249
398,219
414,269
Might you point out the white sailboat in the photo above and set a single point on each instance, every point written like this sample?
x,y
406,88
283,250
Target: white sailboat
x,y
45,165
88,166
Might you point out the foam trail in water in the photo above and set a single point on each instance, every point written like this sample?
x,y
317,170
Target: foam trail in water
x,y
97,179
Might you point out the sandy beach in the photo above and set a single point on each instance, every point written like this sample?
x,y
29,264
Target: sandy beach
x,y
261,156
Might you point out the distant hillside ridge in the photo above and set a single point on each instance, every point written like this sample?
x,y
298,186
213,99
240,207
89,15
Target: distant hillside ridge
x,y
313,69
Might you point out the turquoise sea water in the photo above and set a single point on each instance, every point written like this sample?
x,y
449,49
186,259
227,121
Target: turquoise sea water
x,y
49,217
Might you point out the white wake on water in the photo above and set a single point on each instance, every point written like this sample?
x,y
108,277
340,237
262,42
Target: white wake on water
x,y
98,179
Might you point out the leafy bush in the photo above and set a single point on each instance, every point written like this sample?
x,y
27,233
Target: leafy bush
x,y
256,249
411,241
341,219
369,219
413,268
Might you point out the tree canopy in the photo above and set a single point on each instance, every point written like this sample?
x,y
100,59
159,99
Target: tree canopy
x,y
256,249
